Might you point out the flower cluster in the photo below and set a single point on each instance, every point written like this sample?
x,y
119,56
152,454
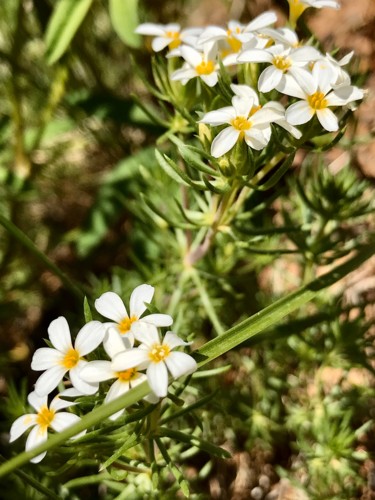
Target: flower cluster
x,y
281,68
136,353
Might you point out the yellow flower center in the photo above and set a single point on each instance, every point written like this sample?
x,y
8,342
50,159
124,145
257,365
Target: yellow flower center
x,y
70,359
317,101
283,63
176,40
159,352
240,123
45,417
126,375
254,109
205,68
234,43
125,324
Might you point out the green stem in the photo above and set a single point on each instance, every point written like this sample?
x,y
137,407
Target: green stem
x,y
21,237
233,337
206,301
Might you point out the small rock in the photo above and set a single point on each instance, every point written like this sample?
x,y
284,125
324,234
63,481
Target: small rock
x,y
257,493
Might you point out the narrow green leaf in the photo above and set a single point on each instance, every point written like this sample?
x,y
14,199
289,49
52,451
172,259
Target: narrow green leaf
x,y
192,440
87,310
131,441
124,17
67,17
170,168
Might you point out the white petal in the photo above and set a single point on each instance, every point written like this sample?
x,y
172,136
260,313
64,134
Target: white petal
x,y
211,79
344,95
327,119
224,141
20,425
255,55
37,401
157,319
89,337
140,295
257,139
289,86
146,333
150,29
116,390
269,79
180,363
305,54
59,334
184,74
299,113
63,420
58,404
37,436
111,306
45,358
160,43
265,116
157,377
246,92
129,359
242,105
80,384
115,342
49,380
192,56
262,21
304,79
172,340
71,393
97,371
219,116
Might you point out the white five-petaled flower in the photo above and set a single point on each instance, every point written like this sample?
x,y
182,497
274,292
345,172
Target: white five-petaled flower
x,y
44,418
246,120
281,60
168,35
101,370
317,96
64,357
111,306
158,358
198,64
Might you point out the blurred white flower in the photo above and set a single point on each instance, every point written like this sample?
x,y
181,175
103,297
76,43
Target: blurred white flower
x,y
63,357
198,64
168,35
158,358
44,418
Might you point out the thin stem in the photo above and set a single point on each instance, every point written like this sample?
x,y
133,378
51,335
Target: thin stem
x,y
206,301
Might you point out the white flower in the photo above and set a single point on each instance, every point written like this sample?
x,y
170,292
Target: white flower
x,y
297,7
246,120
317,96
198,64
338,76
44,418
281,60
64,357
158,357
101,370
169,35
111,306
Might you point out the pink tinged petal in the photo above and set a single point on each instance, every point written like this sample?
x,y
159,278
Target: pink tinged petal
x,y
59,404
157,319
63,420
45,358
224,141
59,334
89,337
269,79
299,113
37,401
37,436
180,363
172,340
111,306
140,295
191,56
157,377
160,43
289,86
255,55
262,21
114,342
327,119
146,333
20,425
210,80
150,29
97,371
78,382
129,359
49,380
219,116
